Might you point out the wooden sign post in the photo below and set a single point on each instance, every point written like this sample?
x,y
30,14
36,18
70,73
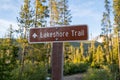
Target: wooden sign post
x,y
57,61
58,35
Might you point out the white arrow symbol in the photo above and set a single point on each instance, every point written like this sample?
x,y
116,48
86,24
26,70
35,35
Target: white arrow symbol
x,y
34,35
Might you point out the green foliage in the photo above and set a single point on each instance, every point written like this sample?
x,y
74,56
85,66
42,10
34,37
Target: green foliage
x,y
8,54
71,68
64,13
91,52
98,58
59,13
31,72
54,13
113,67
41,13
17,61
116,6
106,23
25,19
36,58
98,74
39,74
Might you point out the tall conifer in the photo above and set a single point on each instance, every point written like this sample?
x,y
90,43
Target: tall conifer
x,y
25,21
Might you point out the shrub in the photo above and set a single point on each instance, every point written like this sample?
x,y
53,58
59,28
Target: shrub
x,y
98,74
30,72
83,67
71,68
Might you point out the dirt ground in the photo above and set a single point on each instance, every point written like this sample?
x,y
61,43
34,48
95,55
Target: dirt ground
x,y
73,77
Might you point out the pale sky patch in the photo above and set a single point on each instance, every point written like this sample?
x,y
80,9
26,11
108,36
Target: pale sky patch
x,y
89,13
4,25
83,12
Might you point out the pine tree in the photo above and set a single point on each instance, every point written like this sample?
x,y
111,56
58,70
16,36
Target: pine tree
x,y
59,15
115,51
99,55
106,23
67,52
8,57
81,52
106,30
64,13
25,21
76,56
98,58
91,52
10,32
54,13
116,6
41,13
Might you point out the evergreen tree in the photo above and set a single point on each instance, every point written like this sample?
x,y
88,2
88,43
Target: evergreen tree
x,y
10,32
76,56
8,55
25,21
28,56
106,30
64,13
81,52
116,6
115,51
67,52
59,15
41,13
91,52
54,13
98,57
106,23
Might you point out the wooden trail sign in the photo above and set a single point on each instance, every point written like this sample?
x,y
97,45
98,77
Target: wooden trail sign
x,y
58,34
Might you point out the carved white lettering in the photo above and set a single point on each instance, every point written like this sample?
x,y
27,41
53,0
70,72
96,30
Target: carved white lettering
x,y
53,34
81,33
77,33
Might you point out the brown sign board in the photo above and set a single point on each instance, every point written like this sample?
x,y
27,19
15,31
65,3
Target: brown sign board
x,y
58,34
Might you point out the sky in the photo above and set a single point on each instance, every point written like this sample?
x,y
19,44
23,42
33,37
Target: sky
x,y
87,12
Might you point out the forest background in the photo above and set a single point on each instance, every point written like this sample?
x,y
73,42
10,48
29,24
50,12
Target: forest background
x,y
20,60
